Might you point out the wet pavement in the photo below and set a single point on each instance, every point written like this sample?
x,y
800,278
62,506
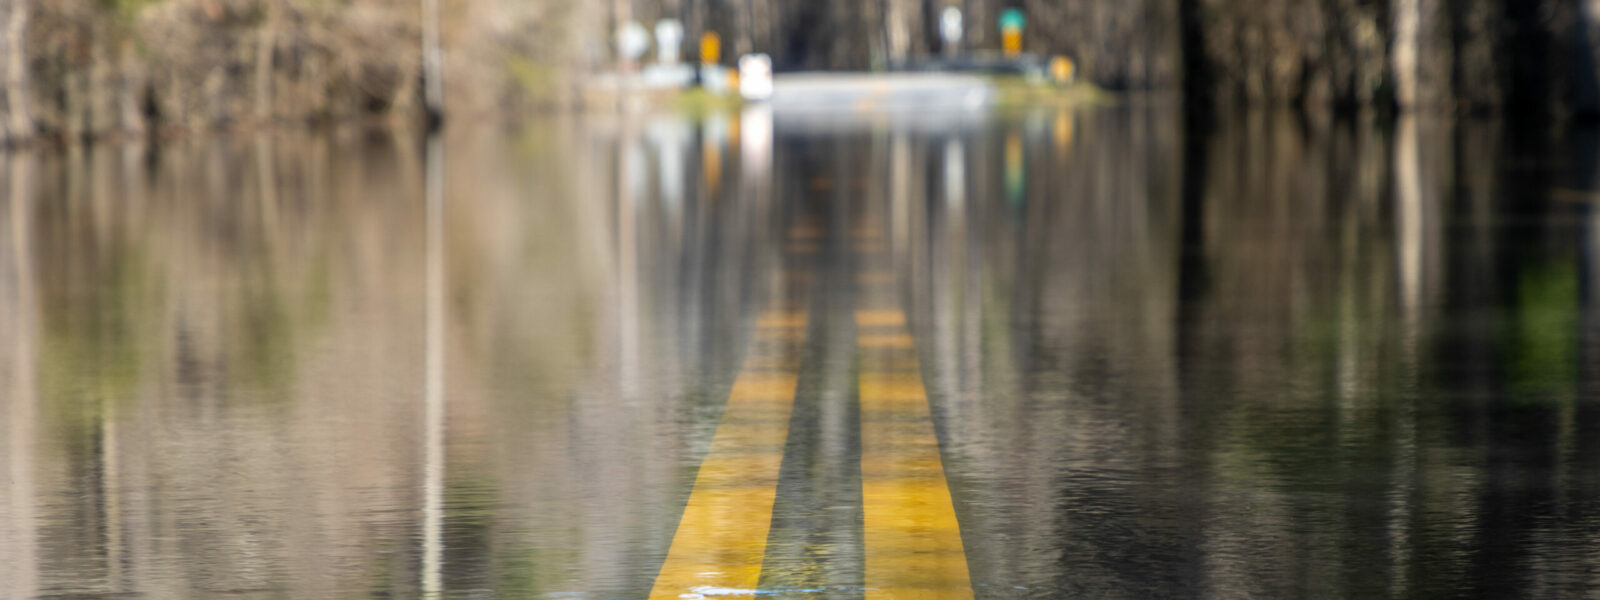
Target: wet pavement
x,y
1032,353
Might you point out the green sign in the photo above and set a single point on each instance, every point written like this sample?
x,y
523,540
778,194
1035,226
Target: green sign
x,y
1012,19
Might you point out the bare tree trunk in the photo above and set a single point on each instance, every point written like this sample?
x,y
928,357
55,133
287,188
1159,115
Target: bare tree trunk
x,y
404,99
6,135
1587,57
876,36
742,24
216,104
266,41
432,62
21,119
1407,16
761,14
76,122
19,405
132,82
102,116
896,32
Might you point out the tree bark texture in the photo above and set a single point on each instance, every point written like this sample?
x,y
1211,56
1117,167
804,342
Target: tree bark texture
x,y
19,124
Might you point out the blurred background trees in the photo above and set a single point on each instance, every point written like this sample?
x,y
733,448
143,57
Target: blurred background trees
x,y
89,68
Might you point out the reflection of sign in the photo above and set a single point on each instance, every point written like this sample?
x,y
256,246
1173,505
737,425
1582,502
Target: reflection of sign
x,y
669,35
1016,177
1011,23
713,135
1061,133
710,48
755,141
955,174
950,25
632,40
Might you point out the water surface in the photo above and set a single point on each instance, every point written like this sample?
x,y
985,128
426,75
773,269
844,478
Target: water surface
x,y
1269,359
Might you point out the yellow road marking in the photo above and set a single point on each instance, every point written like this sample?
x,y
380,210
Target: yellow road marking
x,y
912,540
880,318
722,537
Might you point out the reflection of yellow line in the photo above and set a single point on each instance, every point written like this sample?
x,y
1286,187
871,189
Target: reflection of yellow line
x,y
722,537
912,541
778,318
878,318
878,340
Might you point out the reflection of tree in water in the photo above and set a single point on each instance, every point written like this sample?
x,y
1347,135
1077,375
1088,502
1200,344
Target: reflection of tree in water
x,y
1299,441
1321,365
598,376
187,299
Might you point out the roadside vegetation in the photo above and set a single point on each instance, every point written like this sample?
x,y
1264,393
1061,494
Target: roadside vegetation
x,y
85,69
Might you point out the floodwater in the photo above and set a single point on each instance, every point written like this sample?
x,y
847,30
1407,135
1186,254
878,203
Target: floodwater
x,y
1032,354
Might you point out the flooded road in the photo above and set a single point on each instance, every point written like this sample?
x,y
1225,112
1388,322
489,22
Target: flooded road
x,y
1032,354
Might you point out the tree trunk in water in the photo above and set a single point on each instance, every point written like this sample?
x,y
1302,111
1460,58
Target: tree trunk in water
x,y
742,26
761,12
897,34
266,40
21,119
1434,55
1403,60
132,83
432,62
1586,59
1479,76
215,114
76,122
1196,78
102,117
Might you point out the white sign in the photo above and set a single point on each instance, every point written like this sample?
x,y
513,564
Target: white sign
x,y
950,25
632,40
669,36
755,76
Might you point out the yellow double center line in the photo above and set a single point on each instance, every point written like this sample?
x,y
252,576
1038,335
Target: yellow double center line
x,y
912,542
722,537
